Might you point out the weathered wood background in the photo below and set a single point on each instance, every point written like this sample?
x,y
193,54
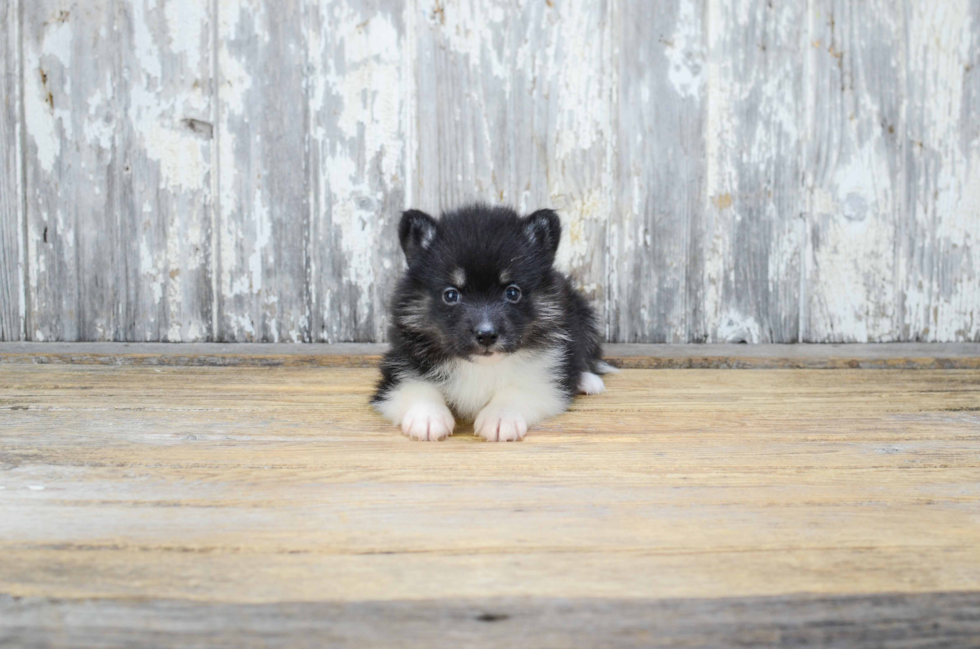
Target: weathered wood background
x,y
727,170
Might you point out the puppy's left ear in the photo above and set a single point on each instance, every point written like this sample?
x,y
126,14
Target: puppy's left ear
x,y
416,232
543,229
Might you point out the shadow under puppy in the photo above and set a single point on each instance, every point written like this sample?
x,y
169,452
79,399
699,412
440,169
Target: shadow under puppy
x,y
483,326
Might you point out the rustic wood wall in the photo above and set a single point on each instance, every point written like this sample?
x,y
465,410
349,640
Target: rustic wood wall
x,y
727,170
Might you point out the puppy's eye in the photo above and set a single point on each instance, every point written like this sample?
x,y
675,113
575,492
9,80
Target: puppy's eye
x,y
450,296
513,293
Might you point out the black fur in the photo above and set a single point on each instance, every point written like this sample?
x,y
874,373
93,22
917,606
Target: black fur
x,y
484,242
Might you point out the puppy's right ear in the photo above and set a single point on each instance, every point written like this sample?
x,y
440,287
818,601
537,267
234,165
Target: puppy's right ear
x,y
416,232
543,229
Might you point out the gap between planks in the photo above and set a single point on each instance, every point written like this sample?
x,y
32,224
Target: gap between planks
x,y
631,356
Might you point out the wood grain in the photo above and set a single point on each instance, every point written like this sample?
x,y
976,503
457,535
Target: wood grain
x,y
656,257
726,170
361,75
11,180
938,253
857,166
192,505
753,231
855,622
262,485
514,107
117,103
264,222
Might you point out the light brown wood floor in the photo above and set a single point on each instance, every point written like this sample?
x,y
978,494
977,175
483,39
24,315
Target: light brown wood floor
x,y
143,487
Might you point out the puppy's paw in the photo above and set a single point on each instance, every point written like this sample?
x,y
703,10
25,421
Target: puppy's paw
x,y
499,425
428,422
590,383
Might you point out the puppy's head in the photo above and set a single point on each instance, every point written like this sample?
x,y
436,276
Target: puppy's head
x,y
477,280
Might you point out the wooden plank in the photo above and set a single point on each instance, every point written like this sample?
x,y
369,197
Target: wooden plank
x,y
657,231
197,354
938,249
165,143
239,485
753,231
856,170
263,263
117,103
12,305
877,356
514,107
361,69
76,235
933,619
635,356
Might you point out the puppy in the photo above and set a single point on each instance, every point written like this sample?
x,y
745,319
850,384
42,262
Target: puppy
x,y
484,327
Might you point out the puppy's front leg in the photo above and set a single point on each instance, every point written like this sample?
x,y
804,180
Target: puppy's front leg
x,y
420,409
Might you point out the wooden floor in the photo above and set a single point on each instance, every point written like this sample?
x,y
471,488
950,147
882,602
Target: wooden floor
x,y
271,507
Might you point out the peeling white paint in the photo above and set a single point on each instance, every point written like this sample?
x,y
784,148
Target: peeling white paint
x,y
719,144
145,48
48,121
128,133
241,258
685,51
235,79
42,124
734,327
58,41
150,269
943,303
461,23
183,164
362,77
857,201
577,214
186,22
263,236
99,127
529,95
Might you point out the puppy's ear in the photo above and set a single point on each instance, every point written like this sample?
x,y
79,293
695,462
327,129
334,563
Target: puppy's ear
x,y
543,229
416,232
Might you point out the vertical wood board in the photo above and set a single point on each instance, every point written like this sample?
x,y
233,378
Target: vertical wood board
x,y
360,91
755,201
939,230
118,158
12,305
656,243
856,166
264,207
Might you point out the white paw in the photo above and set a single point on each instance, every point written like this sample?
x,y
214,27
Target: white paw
x,y
428,422
602,367
590,383
496,425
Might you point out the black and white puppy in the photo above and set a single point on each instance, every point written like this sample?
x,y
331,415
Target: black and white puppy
x,y
483,326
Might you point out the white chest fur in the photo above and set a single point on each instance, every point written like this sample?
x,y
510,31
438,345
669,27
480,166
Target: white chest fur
x,y
526,378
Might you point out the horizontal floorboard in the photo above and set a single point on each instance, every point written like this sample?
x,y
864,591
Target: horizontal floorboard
x,y
855,622
633,356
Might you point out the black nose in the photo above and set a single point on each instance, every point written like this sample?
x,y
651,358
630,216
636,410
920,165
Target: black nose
x,y
485,334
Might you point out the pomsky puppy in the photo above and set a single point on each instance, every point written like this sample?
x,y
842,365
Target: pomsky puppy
x,y
484,327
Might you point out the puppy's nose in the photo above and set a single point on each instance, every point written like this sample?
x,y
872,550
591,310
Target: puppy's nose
x,y
485,334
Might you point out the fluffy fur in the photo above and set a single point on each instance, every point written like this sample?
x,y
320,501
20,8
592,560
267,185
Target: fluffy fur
x,y
484,327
